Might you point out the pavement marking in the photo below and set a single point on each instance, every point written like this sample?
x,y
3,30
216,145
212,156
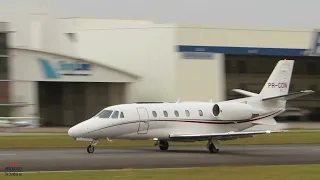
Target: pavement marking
x,y
126,169
7,154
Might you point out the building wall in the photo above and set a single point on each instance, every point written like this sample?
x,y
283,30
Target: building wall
x,y
25,65
25,92
26,71
243,36
142,48
31,25
200,79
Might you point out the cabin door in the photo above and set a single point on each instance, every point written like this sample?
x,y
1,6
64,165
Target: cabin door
x,y
144,120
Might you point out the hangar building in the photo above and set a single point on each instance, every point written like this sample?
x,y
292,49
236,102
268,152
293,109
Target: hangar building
x,y
67,69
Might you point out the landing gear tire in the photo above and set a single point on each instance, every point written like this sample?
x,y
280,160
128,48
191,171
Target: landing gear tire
x,y
90,149
163,145
212,148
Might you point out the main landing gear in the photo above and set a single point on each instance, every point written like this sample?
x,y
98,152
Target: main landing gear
x,y
90,148
163,145
211,146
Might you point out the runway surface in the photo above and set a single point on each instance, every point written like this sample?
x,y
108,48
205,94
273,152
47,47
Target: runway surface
x,y
151,157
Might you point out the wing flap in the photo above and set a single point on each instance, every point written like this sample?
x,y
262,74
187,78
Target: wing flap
x,y
220,136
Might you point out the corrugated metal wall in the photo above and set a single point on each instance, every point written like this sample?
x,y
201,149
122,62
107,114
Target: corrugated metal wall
x,y
65,104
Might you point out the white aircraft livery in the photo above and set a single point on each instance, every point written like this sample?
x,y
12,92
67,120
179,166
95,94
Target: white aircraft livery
x,y
193,121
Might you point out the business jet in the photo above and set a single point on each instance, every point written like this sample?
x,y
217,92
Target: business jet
x,y
193,121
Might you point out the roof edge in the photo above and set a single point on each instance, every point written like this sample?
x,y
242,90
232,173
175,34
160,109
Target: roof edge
x,y
134,76
243,27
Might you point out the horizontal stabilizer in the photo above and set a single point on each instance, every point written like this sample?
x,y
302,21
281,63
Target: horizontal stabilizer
x,y
289,96
244,92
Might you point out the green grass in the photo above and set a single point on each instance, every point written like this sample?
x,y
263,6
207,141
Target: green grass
x,y
66,141
309,172
303,129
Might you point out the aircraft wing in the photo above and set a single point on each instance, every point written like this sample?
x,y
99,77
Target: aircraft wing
x,y
220,136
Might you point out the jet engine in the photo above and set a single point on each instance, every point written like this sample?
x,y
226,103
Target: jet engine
x,y
234,111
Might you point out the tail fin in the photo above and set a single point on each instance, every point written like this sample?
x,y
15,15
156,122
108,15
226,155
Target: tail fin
x,y
279,80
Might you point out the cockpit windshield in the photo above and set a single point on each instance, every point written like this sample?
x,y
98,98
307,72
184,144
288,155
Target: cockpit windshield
x,y
104,114
110,114
115,115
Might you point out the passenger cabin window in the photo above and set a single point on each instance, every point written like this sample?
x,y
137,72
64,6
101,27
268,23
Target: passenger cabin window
x,y
154,114
121,115
187,113
115,115
176,113
105,114
200,113
165,113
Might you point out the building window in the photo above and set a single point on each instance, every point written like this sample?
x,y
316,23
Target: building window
x,y
200,113
165,113
3,41
3,68
187,113
154,114
176,113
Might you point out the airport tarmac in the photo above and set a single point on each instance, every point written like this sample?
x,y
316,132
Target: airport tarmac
x,y
150,157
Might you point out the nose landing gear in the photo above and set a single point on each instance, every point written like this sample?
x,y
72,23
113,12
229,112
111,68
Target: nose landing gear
x,y
91,147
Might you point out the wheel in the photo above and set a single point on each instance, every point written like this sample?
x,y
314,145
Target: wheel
x,y
163,145
90,149
212,148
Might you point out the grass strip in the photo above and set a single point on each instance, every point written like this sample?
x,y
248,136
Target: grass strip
x,y
289,172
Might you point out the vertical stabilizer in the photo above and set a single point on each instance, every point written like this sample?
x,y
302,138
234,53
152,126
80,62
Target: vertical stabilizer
x,y
279,81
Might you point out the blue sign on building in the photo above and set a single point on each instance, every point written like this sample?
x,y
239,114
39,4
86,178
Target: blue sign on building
x,y
56,69
242,50
193,50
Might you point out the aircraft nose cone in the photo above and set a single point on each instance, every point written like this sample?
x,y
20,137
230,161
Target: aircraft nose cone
x,y
74,131
71,132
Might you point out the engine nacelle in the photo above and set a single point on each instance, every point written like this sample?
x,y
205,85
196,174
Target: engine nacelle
x,y
234,111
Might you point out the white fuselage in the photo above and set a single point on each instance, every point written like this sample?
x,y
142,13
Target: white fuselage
x,y
159,120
